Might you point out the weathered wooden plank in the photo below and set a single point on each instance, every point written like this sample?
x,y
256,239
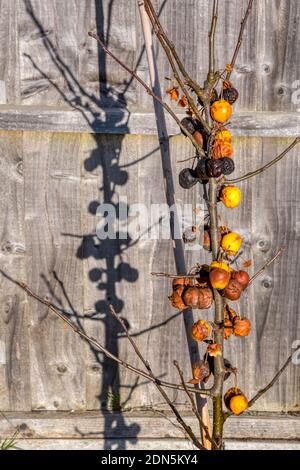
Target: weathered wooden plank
x,y
52,222
14,340
142,425
61,63
9,59
149,444
275,224
58,62
113,121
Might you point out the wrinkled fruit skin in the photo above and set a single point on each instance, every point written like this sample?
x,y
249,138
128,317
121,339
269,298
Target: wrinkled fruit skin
x,y
191,297
200,371
198,297
176,299
231,95
187,178
241,326
214,168
201,169
233,291
238,404
221,111
231,392
224,136
242,277
189,124
205,298
219,278
214,350
200,330
227,165
228,330
222,149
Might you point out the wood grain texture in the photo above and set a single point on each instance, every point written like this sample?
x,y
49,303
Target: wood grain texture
x,y
147,444
10,68
49,75
62,425
14,339
121,121
50,59
52,218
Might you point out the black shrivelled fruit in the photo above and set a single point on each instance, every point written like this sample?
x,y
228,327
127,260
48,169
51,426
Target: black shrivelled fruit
x,y
230,94
227,165
201,169
187,178
214,168
189,124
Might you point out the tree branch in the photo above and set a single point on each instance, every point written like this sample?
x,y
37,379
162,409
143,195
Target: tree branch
x,y
265,167
240,39
148,89
194,407
96,344
264,390
160,36
261,392
182,423
191,83
212,35
265,266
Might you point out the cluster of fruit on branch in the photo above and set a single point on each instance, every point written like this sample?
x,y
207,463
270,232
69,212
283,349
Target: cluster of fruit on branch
x,y
196,291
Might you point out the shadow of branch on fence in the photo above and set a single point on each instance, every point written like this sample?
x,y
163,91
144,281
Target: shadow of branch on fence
x,y
110,267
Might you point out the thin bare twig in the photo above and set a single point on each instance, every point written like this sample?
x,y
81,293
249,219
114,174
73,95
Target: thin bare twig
x,y
265,266
160,36
99,346
265,167
148,89
176,276
212,35
191,83
179,418
194,407
265,389
240,39
261,392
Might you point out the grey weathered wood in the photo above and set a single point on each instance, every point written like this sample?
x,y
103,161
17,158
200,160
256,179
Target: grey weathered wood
x,y
149,444
52,192
48,214
61,425
14,339
112,121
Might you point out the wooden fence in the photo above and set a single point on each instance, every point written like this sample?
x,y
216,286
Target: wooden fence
x,y
76,131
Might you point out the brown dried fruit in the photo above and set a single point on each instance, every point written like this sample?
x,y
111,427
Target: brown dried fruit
x,y
241,326
198,297
206,298
214,350
233,291
200,330
176,299
229,313
200,372
228,330
178,282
